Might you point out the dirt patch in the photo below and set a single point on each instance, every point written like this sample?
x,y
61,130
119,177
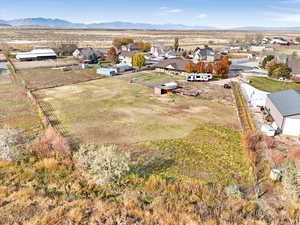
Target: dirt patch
x,y
47,78
43,64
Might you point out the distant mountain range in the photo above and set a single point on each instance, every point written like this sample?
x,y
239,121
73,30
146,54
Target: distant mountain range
x,y
59,23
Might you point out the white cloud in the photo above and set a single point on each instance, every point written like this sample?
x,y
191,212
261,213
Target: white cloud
x,y
167,10
201,16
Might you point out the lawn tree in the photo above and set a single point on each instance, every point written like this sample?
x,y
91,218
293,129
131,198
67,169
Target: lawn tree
x,y
176,44
117,43
65,49
93,58
184,54
143,46
280,70
138,60
270,64
190,67
112,55
266,60
127,41
146,47
221,68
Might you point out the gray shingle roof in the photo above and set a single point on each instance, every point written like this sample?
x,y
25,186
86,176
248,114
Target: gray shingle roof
x,y
177,63
287,102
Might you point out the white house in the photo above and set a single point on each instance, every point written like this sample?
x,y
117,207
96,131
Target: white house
x,y
205,54
125,57
158,51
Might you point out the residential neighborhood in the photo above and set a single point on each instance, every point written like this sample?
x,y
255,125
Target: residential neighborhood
x,y
163,124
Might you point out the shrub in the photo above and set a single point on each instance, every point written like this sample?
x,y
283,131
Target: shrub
x,y
277,156
48,164
294,153
105,164
291,180
9,139
51,144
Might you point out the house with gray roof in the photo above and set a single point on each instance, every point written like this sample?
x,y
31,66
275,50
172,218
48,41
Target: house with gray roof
x,y
172,66
130,47
205,54
84,53
284,107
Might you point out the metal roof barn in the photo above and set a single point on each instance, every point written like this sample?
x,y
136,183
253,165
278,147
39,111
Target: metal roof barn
x,y
36,54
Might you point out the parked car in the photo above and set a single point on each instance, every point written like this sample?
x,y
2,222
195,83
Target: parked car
x,y
227,86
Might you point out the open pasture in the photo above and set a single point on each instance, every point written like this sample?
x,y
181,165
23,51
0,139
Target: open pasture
x,y
184,137
113,111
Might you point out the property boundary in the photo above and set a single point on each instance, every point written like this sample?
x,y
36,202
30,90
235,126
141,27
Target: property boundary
x,y
245,116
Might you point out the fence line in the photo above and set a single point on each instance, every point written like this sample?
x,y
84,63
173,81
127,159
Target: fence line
x,y
47,117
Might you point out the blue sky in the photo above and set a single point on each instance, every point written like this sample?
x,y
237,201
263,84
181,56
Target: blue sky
x,y
219,13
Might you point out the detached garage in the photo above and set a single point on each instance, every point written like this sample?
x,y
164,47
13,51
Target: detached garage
x,y
284,107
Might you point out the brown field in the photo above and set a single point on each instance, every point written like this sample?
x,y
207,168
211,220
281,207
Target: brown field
x,y
16,110
103,38
43,64
46,78
112,111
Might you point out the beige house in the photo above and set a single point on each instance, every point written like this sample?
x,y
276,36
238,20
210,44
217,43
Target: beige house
x,y
125,57
284,107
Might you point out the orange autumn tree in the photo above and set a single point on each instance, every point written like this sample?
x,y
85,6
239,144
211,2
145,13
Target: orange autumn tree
x,y
189,67
209,68
221,67
200,67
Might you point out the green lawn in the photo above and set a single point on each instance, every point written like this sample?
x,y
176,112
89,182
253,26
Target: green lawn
x,y
270,85
151,77
209,153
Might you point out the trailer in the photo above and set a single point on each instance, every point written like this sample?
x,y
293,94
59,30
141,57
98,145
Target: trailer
x,y
199,77
106,72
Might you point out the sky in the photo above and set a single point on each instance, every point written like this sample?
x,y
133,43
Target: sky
x,y
216,13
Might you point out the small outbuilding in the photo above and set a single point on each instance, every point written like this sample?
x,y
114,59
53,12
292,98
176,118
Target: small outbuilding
x,y
166,88
284,107
106,72
123,68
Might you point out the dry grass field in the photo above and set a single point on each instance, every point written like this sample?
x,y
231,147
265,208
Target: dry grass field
x,y
25,38
112,111
43,64
177,135
16,110
46,78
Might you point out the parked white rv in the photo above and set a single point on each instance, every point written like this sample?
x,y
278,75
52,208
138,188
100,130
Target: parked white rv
x,y
199,77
